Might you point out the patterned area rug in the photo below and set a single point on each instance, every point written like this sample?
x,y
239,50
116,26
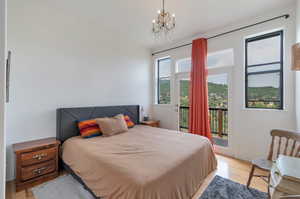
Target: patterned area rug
x,y
63,187
221,188
66,187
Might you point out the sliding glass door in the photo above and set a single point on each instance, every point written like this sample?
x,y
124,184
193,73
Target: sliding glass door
x,y
218,107
218,88
182,100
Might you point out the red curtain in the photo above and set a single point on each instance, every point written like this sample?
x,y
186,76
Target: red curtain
x,y
199,110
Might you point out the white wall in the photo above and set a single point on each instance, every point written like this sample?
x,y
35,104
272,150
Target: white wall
x,y
62,61
297,88
249,129
2,95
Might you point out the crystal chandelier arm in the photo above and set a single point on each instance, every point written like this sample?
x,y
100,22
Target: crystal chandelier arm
x,y
165,22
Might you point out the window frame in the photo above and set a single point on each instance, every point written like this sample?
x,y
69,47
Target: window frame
x,y
279,33
177,65
218,52
158,80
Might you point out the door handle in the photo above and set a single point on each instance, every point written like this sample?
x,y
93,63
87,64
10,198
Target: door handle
x,y
8,60
176,107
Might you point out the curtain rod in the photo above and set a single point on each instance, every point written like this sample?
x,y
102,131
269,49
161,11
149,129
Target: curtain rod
x,y
286,16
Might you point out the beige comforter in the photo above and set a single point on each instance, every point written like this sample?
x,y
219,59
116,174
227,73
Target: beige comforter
x,y
143,163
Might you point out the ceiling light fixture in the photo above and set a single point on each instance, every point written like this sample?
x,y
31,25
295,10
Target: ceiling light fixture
x,y
164,22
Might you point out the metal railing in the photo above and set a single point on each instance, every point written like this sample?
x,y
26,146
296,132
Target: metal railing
x,y
218,120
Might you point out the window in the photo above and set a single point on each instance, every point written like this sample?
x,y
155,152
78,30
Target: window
x,y
220,58
215,59
264,71
184,65
163,81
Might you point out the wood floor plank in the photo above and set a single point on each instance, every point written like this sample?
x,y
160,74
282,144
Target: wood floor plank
x,y
233,169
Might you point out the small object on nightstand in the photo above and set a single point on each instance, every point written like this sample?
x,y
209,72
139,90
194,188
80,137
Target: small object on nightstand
x,y
153,123
36,162
146,118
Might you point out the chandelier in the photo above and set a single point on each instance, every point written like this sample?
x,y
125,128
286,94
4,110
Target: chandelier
x,y
164,22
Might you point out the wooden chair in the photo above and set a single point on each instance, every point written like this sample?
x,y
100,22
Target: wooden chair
x,y
283,142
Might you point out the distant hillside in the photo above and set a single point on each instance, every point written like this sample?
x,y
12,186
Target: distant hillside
x,y
220,89
263,93
184,87
165,92
218,94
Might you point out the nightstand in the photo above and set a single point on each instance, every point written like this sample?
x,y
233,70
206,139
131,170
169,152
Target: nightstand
x,y
153,123
36,162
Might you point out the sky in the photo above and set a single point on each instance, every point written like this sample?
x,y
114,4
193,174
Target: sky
x,y
218,79
259,52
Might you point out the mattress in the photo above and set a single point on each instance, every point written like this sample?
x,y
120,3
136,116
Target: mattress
x,y
144,162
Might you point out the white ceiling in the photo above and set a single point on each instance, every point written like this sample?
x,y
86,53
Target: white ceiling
x,y
132,18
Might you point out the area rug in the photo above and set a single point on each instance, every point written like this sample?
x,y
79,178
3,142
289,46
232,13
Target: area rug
x,y
66,187
63,187
221,188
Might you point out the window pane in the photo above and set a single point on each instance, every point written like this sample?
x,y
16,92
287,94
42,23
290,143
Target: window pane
x,y
264,90
217,91
164,73
220,58
264,51
164,67
164,91
263,68
184,92
184,65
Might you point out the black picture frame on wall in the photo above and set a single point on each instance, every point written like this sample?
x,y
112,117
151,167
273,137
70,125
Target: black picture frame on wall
x,y
8,61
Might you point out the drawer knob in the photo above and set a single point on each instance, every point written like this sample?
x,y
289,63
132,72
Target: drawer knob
x,y
39,170
39,156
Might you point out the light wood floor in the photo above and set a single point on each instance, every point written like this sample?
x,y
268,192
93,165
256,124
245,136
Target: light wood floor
x,y
230,168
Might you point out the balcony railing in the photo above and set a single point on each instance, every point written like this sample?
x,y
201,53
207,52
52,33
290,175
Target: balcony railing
x,y
218,120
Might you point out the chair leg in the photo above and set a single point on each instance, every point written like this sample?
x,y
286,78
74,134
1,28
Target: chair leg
x,y
269,180
250,176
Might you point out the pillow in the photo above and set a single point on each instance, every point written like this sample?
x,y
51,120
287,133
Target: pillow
x,y
112,125
89,128
129,122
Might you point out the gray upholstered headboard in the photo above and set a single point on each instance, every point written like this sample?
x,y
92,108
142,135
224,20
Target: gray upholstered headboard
x,y
67,117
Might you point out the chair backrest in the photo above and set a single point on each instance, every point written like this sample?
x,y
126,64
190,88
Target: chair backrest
x,y
284,142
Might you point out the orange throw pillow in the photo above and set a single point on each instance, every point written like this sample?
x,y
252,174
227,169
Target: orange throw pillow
x,y
89,128
129,122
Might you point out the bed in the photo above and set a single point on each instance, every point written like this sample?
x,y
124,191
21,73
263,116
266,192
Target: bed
x,y
145,162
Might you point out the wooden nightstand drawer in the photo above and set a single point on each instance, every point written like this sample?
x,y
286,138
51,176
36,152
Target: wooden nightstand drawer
x,y
38,156
37,170
36,162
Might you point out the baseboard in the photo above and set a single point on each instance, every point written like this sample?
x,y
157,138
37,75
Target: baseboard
x,y
10,179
